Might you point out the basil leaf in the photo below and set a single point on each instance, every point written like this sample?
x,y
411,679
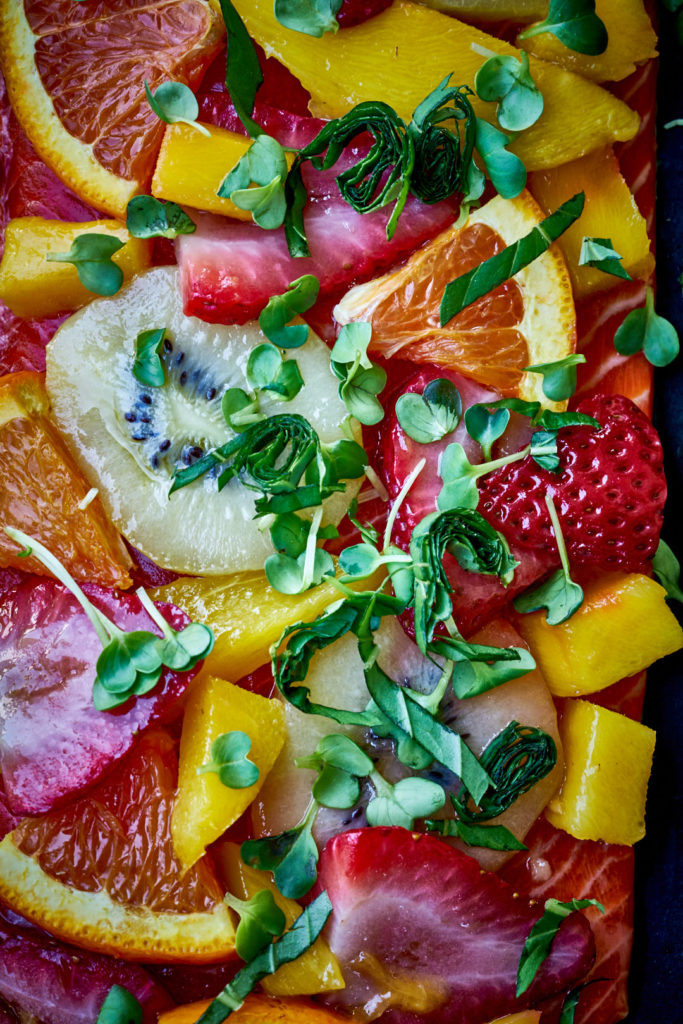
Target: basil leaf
x,y
506,171
91,255
311,17
485,426
243,75
119,1007
284,950
540,938
433,414
490,837
230,762
559,595
175,103
280,309
575,24
403,802
291,856
508,82
147,367
599,253
147,217
261,920
559,378
470,677
643,330
667,569
482,279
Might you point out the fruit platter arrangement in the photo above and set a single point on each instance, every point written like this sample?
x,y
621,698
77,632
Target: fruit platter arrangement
x,y
330,554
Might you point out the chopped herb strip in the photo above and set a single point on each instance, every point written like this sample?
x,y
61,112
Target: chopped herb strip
x,y
360,381
667,569
575,24
540,938
403,802
147,366
91,254
256,182
645,331
559,595
599,253
571,1000
119,1007
482,279
508,82
472,676
506,171
490,837
516,759
292,856
340,764
559,378
433,414
274,320
175,103
229,760
284,950
311,17
147,217
261,920
243,75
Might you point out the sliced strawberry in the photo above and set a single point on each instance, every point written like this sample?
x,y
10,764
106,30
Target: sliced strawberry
x,y
45,980
52,740
421,932
355,12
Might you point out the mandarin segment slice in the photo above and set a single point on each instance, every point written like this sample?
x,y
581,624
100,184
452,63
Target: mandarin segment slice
x,y
43,493
75,75
259,1009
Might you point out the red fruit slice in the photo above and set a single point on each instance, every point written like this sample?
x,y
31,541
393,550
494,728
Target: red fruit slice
x,y
52,740
355,12
45,980
423,934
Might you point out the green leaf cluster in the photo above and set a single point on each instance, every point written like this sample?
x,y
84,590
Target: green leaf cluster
x,y
359,380
559,594
401,803
91,254
340,764
645,331
175,103
261,920
575,24
275,318
256,182
292,856
147,217
559,377
507,81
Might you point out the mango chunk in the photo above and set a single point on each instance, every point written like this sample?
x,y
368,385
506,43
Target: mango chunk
x,y
204,807
33,287
259,1009
608,758
610,212
191,166
623,625
400,55
631,41
317,970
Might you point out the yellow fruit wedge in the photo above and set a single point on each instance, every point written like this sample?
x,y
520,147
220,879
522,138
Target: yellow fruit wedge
x,y
204,806
259,1009
608,758
191,167
610,212
317,970
400,55
34,287
632,41
623,625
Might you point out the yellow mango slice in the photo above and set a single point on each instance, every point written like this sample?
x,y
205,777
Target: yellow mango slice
x,y
623,625
204,807
259,1009
608,758
191,166
33,287
631,41
610,211
317,970
400,55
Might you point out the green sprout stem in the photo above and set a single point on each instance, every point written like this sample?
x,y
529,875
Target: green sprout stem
x,y
309,560
407,484
154,613
557,529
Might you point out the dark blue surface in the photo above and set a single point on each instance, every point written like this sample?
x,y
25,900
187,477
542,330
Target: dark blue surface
x,y
657,968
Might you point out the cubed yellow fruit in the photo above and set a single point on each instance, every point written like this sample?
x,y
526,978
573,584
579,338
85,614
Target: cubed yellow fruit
x,y
33,287
246,614
259,1009
400,55
204,807
631,41
608,758
317,970
623,625
610,212
191,166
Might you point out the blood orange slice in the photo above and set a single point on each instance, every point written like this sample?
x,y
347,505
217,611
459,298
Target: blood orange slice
x,y
75,75
101,872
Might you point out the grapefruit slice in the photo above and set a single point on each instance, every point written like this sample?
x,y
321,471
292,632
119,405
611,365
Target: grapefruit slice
x,y
75,76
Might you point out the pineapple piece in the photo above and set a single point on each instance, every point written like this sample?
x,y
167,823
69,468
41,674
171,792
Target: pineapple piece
x,y
33,287
404,52
204,807
318,969
623,625
610,211
632,41
608,758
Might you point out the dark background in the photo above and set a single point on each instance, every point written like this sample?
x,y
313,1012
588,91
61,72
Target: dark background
x,y
657,966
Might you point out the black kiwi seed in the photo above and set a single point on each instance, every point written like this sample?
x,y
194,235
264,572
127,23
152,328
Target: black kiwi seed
x,y
145,398
168,347
130,417
165,445
211,394
183,379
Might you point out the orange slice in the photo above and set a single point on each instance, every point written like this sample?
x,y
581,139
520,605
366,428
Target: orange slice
x,y
527,320
259,1009
101,872
75,75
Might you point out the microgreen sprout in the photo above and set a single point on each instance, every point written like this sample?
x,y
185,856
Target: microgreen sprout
x,y
299,563
292,856
256,182
147,366
540,938
230,762
275,318
312,17
559,377
433,414
507,81
360,381
575,24
261,921
460,476
175,103
643,330
340,763
180,650
559,594
403,802
119,1007
91,254
667,569
147,217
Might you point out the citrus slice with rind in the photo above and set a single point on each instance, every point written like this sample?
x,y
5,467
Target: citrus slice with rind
x,y
75,75
527,320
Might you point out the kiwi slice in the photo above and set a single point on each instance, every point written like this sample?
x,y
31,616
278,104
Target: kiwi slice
x,y
128,438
